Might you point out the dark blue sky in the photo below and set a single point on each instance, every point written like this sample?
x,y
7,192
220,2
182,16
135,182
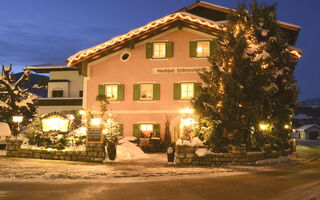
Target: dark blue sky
x,y
45,31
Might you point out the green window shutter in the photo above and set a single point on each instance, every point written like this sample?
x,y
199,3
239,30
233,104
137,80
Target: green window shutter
x,y
149,50
211,47
156,130
169,49
197,89
136,130
101,90
120,92
136,92
176,91
193,48
121,129
156,91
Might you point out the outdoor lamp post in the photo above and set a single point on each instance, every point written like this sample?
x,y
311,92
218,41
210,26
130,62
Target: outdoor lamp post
x,y
17,119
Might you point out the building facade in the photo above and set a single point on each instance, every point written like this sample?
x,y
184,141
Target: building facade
x,y
64,88
151,73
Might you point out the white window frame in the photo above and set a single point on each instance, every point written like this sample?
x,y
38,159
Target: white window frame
x,y
146,98
189,94
156,50
113,88
205,52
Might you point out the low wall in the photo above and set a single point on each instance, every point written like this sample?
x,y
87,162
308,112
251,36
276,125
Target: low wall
x,y
186,155
93,153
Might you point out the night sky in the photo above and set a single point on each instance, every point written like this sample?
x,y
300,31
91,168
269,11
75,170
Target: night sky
x,y
45,31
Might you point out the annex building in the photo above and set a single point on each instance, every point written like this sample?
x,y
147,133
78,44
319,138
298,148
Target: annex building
x,y
150,74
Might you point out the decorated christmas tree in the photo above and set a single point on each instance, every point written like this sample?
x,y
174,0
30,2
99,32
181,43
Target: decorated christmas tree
x,y
250,92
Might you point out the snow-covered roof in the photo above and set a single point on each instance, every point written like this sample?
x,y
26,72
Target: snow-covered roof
x,y
169,18
302,116
46,68
179,15
306,127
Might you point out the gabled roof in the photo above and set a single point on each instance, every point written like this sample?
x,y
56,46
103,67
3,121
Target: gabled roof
x,y
167,20
201,16
306,127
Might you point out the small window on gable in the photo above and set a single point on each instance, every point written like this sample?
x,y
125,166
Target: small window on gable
x,y
57,93
187,90
111,92
146,91
159,50
203,48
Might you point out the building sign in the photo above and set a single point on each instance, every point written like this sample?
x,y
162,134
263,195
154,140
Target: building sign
x,y
94,135
178,70
55,123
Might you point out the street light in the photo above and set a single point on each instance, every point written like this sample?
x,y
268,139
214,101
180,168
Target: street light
x,y
17,119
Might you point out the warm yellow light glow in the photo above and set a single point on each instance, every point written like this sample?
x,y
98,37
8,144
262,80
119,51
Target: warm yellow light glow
x,y
55,123
296,53
187,111
199,49
286,126
95,121
71,117
17,119
146,127
83,130
178,15
188,122
263,126
82,112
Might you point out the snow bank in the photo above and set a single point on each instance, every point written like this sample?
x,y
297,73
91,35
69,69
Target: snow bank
x,y
195,142
203,152
129,151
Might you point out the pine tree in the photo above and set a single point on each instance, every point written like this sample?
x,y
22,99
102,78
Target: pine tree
x,y
250,82
14,99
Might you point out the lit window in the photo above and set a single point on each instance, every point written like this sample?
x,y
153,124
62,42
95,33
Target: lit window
x,y
146,91
187,90
112,92
159,50
146,130
203,49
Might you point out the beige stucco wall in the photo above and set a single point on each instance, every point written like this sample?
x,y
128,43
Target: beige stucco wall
x,y
72,88
138,69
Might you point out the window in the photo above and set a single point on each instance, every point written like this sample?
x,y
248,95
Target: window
x,y
146,130
159,50
80,93
146,91
200,49
187,90
114,92
203,49
111,92
57,93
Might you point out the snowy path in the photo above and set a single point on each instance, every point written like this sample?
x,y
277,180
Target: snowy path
x,y
16,169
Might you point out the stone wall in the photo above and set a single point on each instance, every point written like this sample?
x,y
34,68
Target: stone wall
x,y
93,153
186,155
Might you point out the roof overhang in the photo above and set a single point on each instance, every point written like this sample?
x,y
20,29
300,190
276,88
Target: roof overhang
x,y
126,40
47,69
